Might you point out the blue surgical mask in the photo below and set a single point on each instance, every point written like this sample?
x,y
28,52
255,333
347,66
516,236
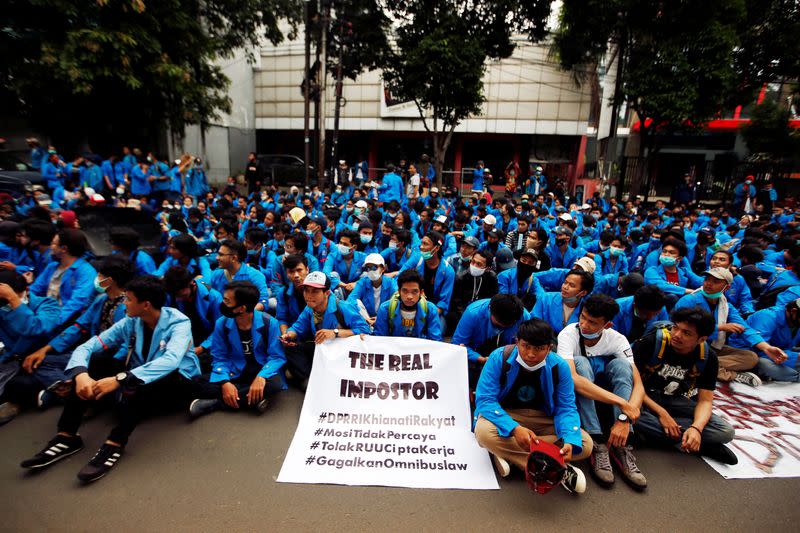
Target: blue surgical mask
x,y
616,252
711,296
392,245
427,254
366,239
667,260
309,233
252,253
591,336
97,287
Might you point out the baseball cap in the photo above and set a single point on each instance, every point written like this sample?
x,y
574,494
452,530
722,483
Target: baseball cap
x,y
504,259
318,280
720,273
489,219
297,214
586,206
374,259
319,220
496,232
565,216
435,189
545,467
471,241
563,230
441,219
587,264
362,204
525,197
531,252
708,231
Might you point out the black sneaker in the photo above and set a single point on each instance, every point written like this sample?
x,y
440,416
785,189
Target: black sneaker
x,y
104,460
201,407
261,406
719,452
57,449
574,480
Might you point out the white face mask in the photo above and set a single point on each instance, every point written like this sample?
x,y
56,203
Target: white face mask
x,y
526,366
475,271
374,275
344,250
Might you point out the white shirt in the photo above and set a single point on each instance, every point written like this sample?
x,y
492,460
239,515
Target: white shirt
x,y
612,343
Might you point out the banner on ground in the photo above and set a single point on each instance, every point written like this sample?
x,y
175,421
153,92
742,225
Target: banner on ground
x,y
767,424
388,411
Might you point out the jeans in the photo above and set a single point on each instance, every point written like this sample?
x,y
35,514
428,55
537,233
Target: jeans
x,y
716,432
769,369
299,359
610,373
201,388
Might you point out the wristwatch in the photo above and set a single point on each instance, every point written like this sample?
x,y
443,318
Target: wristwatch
x,y
122,376
336,332
622,417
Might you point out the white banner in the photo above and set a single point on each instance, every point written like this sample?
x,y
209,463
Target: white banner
x,y
388,411
767,424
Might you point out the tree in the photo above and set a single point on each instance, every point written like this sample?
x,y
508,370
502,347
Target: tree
x,y
768,135
440,52
126,68
676,59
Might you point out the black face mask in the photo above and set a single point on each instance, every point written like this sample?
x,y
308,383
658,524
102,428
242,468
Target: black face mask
x,y
227,311
524,271
562,242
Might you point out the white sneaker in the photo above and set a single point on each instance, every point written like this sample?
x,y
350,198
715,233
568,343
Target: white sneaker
x,y
574,480
748,378
502,466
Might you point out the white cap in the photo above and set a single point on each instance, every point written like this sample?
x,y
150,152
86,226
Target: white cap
x,y
489,219
435,189
342,162
297,214
565,216
586,206
293,189
375,259
587,264
362,204
441,219
317,280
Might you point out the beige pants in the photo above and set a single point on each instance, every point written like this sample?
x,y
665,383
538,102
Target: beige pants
x,y
734,360
536,421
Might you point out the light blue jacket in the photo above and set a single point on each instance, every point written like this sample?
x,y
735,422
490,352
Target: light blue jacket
x,y
227,358
171,347
475,327
246,273
77,287
624,319
686,280
364,291
26,328
750,337
549,307
426,324
87,323
771,324
442,283
306,329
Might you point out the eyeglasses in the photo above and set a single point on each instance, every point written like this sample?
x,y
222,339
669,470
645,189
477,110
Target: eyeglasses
x,y
371,268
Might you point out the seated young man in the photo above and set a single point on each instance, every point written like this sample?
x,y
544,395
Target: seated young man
x,y
408,313
324,318
374,288
152,374
246,357
526,392
679,378
780,326
602,366
290,299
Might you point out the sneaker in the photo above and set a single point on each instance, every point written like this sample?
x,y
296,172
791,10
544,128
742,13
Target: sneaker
x,y
201,407
98,466
601,465
46,399
261,407
626,463
719,452
502,466
574,480
747,378
8,412
57,449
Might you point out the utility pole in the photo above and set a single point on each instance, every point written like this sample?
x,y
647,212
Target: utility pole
x,y
337,112
307,96
323,84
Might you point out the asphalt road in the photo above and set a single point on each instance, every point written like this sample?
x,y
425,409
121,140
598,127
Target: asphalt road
x,y
218,473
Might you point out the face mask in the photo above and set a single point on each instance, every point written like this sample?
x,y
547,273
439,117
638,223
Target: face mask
x,y
562,242
655,240
392,245
526,366
570,300
309,233
374,275
616,252
97,285
252,253
426,255
120,190
591,336
344,250
595,216
667,260
711,295
348,209
392,214
366,239
358,210
603,247
354,225
475,271
227,311
524,271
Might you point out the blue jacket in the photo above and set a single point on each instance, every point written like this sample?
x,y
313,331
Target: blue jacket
x,y
750,337
739,295
206,302
426,324
624,319
219,281
335,263
227,357
391,188
87,323
288,310
50,172
559,398
771,324
306,329
198,266
364,291
278,273
25,328
474,328
565,260
549,307
171,347
604,266
93,177
77,287
393,264
686,280
140,186
507,284
442,283
143,263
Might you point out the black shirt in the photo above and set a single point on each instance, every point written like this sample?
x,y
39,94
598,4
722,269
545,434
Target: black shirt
x,y
146,341
246,338
430,278
526,392
672,375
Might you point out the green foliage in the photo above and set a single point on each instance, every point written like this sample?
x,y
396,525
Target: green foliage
x,y
126,64
768,135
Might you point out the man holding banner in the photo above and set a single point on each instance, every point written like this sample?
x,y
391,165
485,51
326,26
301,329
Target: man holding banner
x,y
525,393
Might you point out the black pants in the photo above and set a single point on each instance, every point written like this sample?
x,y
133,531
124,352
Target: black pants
x,y
133,405
299,359
201,388
23,389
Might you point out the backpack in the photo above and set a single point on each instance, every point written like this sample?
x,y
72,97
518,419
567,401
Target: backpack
x,y
663,332
770,298
394,301
507,349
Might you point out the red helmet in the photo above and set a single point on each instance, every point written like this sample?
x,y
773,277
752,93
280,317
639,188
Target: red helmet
x,y
545,468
